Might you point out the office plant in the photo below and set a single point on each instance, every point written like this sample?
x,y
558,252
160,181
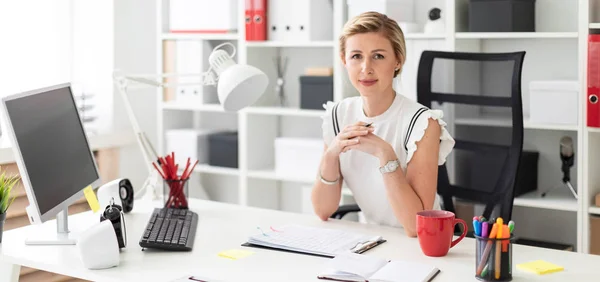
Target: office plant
x,y
6,198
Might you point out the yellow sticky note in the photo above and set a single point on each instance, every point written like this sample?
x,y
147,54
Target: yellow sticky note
x,y
540,267
90,196
235,254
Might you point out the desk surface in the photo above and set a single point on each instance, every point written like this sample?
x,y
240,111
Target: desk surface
x,y
223,226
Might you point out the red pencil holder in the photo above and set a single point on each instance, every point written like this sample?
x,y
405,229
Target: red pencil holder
x,y
175,193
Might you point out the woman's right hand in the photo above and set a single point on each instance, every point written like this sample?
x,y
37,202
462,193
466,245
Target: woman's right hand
x,y
350,135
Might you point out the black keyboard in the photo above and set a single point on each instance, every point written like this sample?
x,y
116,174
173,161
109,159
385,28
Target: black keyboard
x,y
170,229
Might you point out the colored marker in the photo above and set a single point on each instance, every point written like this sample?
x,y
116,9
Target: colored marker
x,y
484,272
485,229
511,226
500,224
487,250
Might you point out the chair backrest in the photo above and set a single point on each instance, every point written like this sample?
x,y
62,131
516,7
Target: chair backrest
x,y
488,95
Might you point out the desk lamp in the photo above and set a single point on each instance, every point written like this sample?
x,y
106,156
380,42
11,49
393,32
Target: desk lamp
x,y
238,86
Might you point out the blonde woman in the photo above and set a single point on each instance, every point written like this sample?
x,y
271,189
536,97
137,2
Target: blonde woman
x,y
384,146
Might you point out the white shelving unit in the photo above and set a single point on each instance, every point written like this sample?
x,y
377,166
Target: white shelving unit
x,y
515,35
557,50
199,36
279,111
499,121
594,25
289,44
178,106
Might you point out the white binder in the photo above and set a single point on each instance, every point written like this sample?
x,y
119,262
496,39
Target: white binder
x,y
300,21
192,58
203,15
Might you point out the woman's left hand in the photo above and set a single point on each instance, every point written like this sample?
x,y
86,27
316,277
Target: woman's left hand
x,y
373,145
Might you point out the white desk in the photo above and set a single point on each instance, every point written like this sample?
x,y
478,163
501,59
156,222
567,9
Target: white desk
x,y
223,226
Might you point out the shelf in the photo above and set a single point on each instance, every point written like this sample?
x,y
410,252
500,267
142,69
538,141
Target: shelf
x,y
280,111
271,175
501,121
205,168
424,36
289,44
554,200
594,25
594,210
593,129
179,106
512,35
199,36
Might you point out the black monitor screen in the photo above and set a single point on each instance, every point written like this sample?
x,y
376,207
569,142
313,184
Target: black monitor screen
x,y
53,145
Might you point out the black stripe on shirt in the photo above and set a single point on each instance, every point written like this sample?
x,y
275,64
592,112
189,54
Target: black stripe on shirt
x,y
412,124
336,126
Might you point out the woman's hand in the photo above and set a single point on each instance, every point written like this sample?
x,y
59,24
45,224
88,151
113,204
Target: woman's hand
x,y
350,135
373,145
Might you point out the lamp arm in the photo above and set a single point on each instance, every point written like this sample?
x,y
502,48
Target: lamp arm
x,y
148,151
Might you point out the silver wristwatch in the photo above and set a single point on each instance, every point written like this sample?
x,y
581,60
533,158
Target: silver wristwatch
x,y
390,166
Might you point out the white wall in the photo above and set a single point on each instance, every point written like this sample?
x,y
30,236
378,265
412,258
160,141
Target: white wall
x,y
135,52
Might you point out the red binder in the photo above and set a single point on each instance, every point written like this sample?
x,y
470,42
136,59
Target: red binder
x,y
260,19
249,10
593,81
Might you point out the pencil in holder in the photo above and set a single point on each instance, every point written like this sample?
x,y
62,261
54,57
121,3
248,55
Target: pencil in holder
x,y
175,193
493,261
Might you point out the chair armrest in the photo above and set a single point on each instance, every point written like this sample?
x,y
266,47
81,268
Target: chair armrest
x,y
343,210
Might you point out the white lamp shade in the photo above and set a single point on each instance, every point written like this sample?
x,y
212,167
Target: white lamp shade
x,y
240,86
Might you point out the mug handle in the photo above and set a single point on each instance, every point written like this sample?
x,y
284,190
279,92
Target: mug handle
x,y
464,233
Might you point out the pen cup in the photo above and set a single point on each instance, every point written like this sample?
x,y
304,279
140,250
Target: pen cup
x,y
175,193
493,259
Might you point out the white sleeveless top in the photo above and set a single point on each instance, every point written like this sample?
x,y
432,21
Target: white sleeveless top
x,y
401,125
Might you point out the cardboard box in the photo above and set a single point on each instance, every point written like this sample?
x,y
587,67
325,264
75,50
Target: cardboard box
x,y
595,235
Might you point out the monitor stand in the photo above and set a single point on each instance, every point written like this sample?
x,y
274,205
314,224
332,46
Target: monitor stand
x,y
45,236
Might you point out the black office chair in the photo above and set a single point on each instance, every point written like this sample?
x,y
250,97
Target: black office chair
x,y
471,75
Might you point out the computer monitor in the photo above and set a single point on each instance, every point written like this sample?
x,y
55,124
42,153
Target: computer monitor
x,y
53,155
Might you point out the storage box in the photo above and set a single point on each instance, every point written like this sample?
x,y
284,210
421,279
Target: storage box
x,y
595,235
399,10
315,91
554,102
299,21
190,143
486,169
298,158
203,16
223,149
501,15
192,58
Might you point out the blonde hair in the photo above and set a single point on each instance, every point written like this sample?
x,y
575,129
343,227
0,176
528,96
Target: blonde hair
x,y
376,22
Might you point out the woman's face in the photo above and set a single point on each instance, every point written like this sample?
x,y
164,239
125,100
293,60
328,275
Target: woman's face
x,y
370,62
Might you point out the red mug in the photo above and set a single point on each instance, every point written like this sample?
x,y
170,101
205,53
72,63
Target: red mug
x,y
435,229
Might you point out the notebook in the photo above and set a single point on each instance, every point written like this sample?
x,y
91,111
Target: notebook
x,y
540,267
315,241
356,267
